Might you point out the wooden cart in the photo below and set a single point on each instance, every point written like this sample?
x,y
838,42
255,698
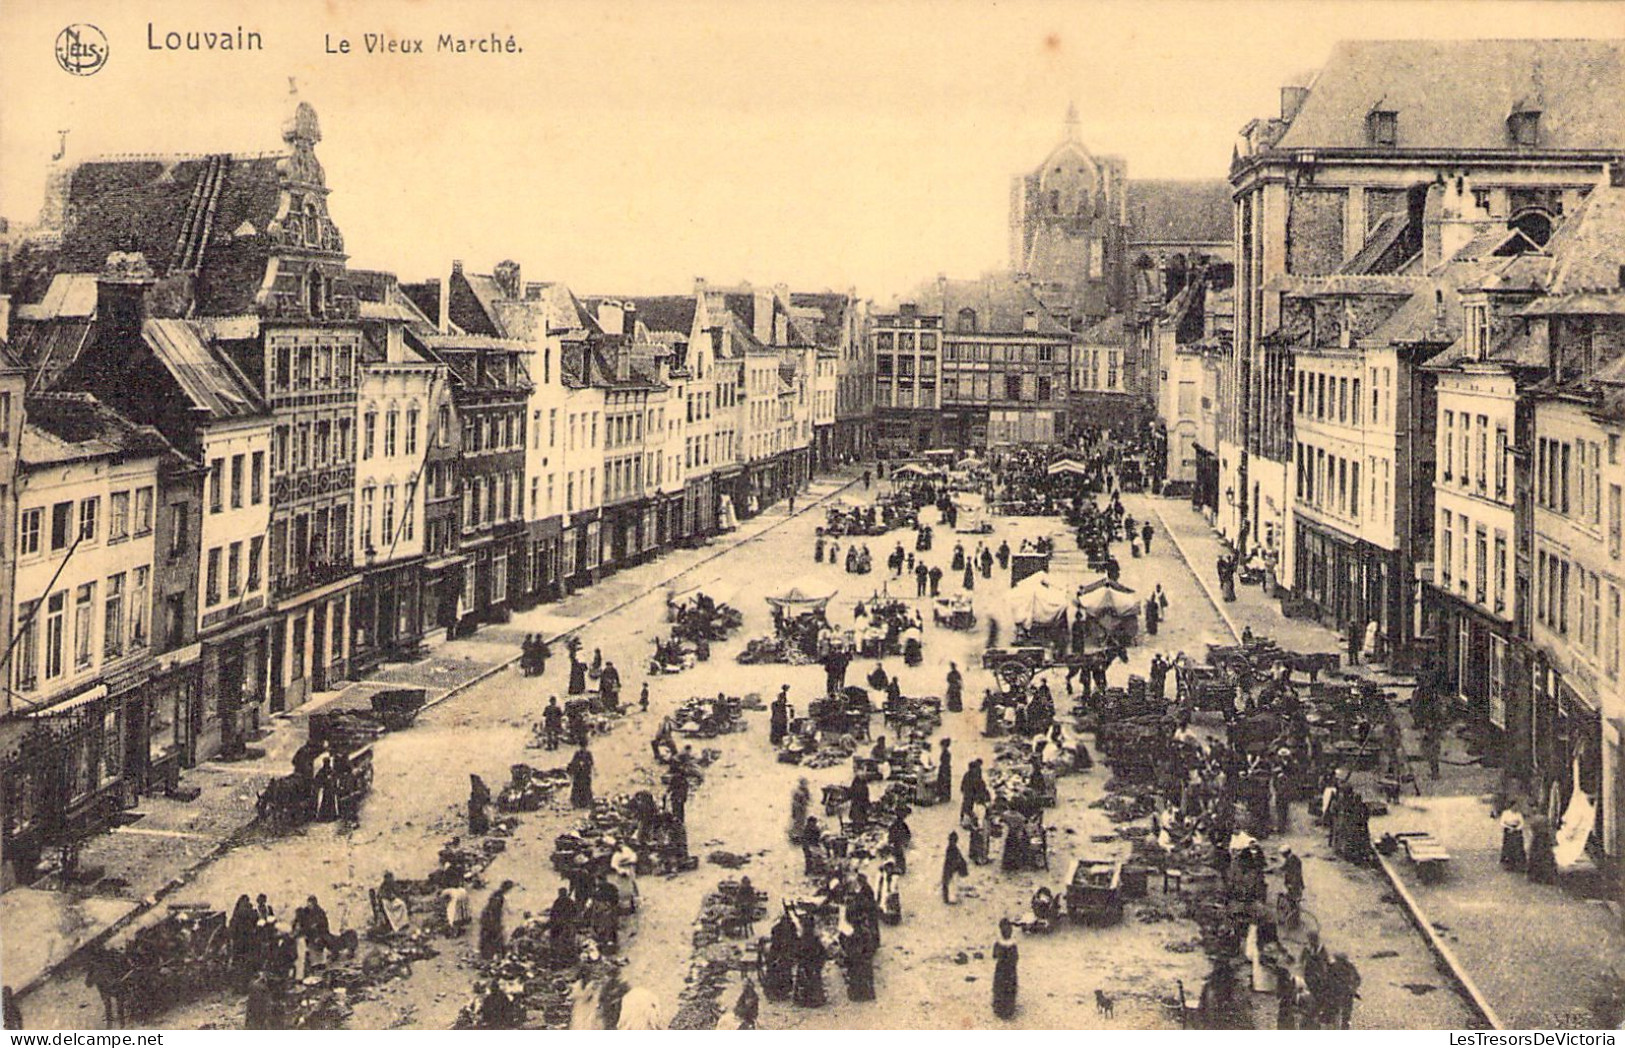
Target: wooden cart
x,y
1094,892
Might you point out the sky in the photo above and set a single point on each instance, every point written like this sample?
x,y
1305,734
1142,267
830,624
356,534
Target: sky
x,y
631,147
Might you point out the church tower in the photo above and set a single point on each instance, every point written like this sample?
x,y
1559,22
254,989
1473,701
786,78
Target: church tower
x,y
1068,228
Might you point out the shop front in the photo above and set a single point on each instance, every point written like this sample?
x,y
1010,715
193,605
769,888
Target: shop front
x,y
310,643
541,576
580,549
699,509
1349,581
386,614
1475,655
62,776
442,593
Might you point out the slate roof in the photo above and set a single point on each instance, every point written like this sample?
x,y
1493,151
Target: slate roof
x,y
146,204
1590,245
1108,332
69,295
1001,303
831,307
1180,210
1457,94
1377,254
211,382
76,427
673,313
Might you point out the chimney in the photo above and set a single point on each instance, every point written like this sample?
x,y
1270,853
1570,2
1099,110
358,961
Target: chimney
x,y
1292,100
1448,219
629,322
121,296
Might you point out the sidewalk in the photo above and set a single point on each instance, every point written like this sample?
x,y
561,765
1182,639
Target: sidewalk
x,y
162,844
1531,956
1541,956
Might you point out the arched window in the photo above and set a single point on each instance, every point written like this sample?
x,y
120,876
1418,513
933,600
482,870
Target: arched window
x,y
967,320
316,286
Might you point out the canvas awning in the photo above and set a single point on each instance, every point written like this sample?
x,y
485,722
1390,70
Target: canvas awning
x,y
1034,601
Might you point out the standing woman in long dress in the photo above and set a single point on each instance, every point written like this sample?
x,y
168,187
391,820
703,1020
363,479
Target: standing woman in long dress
x,y
953,868
580,770
1004,971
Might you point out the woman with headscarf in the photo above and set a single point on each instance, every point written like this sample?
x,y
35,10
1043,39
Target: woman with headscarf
x,y
1005,957
945,771
779,966
953,868
243,928
810,957
491,940
1015,842
562,918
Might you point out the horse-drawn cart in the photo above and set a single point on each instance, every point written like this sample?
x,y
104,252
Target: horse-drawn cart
x,y
183,956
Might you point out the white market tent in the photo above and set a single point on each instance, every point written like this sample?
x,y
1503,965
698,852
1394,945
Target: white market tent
x,y
1035,601
1067,466
801,600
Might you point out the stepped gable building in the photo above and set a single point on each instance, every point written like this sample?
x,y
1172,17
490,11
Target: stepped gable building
x,y
242,247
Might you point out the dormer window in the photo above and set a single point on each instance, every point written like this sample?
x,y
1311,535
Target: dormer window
x,y
1382,127
1523,128
317,288
967,320
1477,329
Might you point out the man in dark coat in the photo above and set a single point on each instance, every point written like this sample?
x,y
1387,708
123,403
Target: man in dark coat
x,y
936,581
922,576
552,723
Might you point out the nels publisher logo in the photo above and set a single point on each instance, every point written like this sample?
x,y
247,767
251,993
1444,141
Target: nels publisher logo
x,y
81,49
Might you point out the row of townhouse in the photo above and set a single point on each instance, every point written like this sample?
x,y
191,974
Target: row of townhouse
x,y
235,471
1415,413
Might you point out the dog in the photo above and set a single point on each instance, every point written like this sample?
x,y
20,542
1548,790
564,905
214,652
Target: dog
x,y
1104,1004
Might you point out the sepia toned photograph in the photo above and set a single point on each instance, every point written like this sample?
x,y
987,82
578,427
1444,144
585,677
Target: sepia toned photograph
x,y
733,515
